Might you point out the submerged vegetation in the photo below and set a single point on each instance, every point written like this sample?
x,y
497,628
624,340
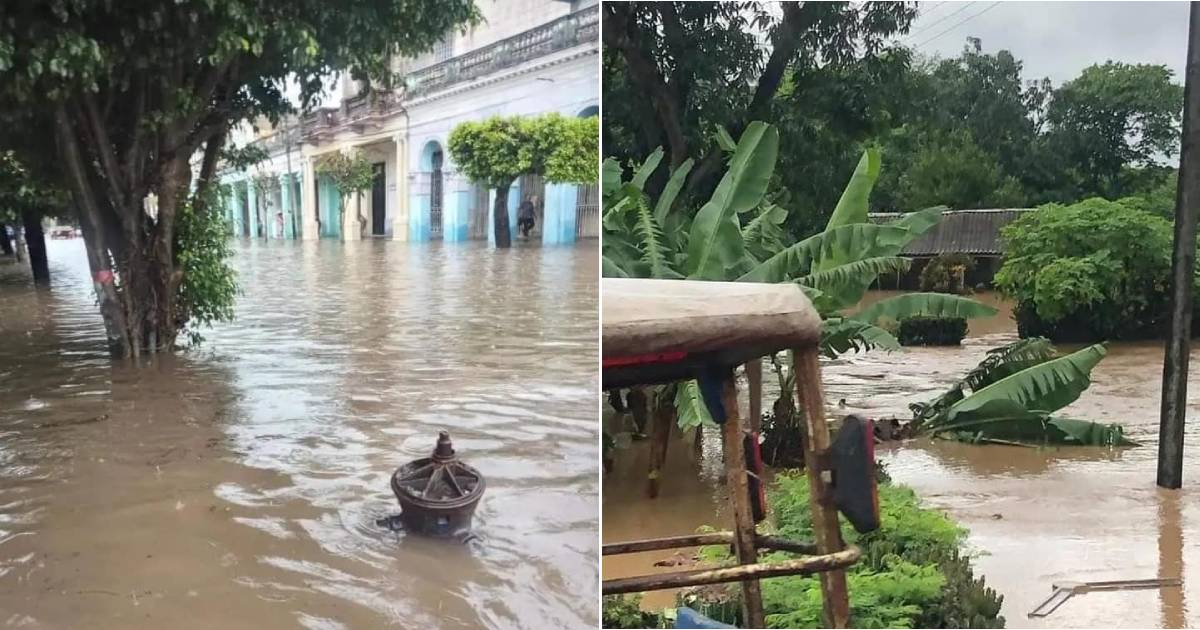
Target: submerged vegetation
x,y
1011,396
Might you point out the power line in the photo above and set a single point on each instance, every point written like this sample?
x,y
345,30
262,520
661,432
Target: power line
x,y
959,23
964,7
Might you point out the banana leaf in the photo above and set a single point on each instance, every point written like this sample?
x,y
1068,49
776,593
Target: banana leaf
x,y
689,406
928,304
610,269
610,177
921,221
663,206
715,242
1008,360
847,243
1046,387
839,336
852,207
647,168
1006,420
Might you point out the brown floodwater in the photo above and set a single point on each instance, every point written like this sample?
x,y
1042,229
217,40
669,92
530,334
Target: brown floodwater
x,y
1036,516
238,486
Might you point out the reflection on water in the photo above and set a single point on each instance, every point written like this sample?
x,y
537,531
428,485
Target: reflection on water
x,y
238,486
1036,516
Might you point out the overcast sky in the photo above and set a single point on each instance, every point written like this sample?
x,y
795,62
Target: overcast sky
x,y
1058,39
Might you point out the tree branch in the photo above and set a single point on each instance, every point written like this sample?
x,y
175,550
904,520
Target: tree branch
x,y
105,151
208,166
618,23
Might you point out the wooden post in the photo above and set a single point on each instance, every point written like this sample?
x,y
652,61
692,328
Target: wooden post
x,y
826,530
1183,263
738,485
663,418
754,378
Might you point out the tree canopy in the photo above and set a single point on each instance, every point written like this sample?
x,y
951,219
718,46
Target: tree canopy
x,y
130,91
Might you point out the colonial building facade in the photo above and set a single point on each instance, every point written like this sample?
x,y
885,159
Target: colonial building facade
x,y
528,57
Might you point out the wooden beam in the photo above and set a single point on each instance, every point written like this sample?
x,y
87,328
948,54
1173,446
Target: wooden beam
x,y
699,540
745,573
738,485
826,530
754,379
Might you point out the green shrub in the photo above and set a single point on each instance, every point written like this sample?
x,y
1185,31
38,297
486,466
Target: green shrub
x,y
625,611
913,573
932,331
947,273
1090,271
209,286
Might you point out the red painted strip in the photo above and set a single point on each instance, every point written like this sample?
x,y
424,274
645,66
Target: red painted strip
x,y
658,357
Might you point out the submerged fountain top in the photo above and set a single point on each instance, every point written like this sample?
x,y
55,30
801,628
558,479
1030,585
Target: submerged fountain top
x,y
438,494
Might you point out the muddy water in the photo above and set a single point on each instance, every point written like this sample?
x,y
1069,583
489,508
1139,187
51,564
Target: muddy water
x,y
238,486
1036,516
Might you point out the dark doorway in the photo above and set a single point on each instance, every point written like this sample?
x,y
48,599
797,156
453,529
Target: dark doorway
x,y
379,201
246,212
435,195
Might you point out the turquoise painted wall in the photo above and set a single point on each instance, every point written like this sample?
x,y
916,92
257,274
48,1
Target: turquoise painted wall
x,y
558,226
330,204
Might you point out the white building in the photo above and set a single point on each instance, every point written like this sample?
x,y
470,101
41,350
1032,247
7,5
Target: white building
x,y
528,57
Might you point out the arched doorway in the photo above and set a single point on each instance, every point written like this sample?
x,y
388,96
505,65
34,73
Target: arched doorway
x,y
432,183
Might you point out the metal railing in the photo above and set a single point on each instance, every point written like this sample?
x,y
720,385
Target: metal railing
x,y
587,212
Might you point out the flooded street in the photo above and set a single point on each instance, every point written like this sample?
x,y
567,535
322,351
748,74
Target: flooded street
x,y
238,486
1036,516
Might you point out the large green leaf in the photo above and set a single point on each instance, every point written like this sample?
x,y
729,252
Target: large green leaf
x,y
839,336
674,184
867,269
1046,387
610,269
610,177
921,221
1007,420
927,304
1008,360
852,207
689,405
844,244
647,168
654,251
715,242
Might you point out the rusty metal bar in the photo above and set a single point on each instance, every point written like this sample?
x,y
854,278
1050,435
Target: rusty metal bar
x,y
745,573
700,540
826,529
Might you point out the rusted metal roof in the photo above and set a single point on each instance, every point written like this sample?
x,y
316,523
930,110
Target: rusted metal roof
x,y
975,232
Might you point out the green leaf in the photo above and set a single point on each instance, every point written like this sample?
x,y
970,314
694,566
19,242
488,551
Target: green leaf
x,y
689,404
674,184
610,179
839,336
852,207
610,269
647,169
724,140
839,245
921,221
715,243
927,304
867,269
1046,387
654,251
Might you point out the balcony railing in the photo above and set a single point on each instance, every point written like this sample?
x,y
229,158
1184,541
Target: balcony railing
x,y
561,34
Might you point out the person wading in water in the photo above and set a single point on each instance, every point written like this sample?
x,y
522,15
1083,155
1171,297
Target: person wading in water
x,y
525,216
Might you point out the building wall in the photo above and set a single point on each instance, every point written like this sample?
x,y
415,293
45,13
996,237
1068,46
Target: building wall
x,y
570,87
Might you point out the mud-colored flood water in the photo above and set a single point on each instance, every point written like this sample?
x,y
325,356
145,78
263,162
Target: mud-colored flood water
x,y
238,486
1036,516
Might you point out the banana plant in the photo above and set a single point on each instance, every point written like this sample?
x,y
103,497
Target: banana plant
x,y
737,236
1013,396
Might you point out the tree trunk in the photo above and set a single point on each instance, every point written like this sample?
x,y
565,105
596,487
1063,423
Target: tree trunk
x,y
35,241
500,216
6,246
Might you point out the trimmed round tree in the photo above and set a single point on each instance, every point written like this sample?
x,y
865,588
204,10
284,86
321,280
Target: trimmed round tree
x,y
496,151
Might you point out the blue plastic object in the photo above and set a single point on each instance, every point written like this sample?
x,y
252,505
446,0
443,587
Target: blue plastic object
x,y
687,618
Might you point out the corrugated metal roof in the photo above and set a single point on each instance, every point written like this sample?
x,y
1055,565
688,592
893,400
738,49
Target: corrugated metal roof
x,y
974,232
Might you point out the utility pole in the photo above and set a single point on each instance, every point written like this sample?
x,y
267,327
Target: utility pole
x,y
1183,263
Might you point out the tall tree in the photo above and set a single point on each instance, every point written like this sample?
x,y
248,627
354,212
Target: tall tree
x,y
134,89
674,71
1115,115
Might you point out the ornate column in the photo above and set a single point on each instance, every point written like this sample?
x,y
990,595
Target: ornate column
x,y
308,201
400,224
